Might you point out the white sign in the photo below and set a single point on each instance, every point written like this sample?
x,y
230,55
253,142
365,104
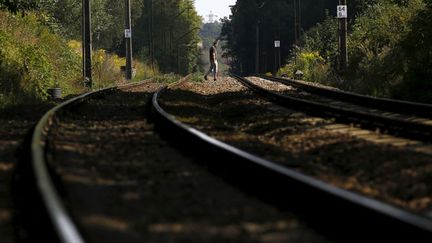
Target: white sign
x,y
342,11
128,33
277,43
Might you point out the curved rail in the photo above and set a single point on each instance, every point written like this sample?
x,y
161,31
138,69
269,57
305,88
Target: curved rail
x,y
272,175
65,228
399,106
405,128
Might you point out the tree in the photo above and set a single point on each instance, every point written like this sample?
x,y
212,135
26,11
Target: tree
x,y
374,62
167,34
15,6
416,52
107,20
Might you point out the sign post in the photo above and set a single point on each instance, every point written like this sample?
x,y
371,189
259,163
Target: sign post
x,y
277,45
87,44
128,40
257,48
342,15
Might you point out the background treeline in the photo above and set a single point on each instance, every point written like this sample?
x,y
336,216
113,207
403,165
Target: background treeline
x,y
275,19
389,44
40,43
165,32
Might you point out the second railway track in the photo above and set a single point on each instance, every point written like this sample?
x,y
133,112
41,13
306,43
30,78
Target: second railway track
x,y
397,106
387,122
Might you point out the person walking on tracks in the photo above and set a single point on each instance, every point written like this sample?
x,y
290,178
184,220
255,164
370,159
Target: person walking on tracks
x,y
213,61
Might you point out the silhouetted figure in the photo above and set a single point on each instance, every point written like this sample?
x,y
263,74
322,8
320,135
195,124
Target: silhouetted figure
x,y
213,61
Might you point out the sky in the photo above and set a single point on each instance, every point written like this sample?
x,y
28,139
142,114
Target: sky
x,y
218,7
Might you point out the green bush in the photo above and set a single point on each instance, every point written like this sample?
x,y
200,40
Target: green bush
x,y
34,59
375,65
313,66
416,51
317,54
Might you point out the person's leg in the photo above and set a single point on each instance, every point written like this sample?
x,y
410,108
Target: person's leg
x,y
208,72
215,74
211,70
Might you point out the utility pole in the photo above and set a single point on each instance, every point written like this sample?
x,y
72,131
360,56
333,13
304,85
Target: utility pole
x,y
87,43
152,35
277,62
342,15
257,55
297,20
299,23
128,40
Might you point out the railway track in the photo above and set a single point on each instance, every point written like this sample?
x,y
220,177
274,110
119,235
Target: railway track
x,y
386,122
188,101
397,106
108,190
49,220
357,217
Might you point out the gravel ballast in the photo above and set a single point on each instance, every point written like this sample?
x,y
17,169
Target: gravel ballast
x,y
227,111
123,182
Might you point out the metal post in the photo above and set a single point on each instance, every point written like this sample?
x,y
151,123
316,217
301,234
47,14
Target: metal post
x,y
257,55
83,28
275,61
152,35
128,40
87,43
343,50
295,22
279,58
299,23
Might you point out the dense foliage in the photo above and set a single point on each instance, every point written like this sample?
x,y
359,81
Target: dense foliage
x,y
40,43
416,52
18,5
167,34
375,61
275,19
33,59
389,44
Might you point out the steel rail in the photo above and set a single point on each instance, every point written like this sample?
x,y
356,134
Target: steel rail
x,y
398,106
400,127
66,229
368,211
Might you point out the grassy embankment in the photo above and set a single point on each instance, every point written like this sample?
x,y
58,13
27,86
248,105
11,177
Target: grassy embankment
x,y
34,58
